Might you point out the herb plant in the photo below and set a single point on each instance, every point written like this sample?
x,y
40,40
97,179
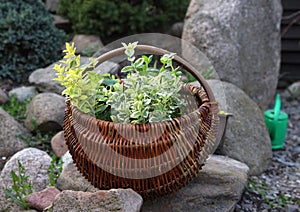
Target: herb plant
x,y
21,187
85,91
54,170
147,94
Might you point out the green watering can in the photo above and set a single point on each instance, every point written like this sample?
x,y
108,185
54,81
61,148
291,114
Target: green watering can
x,y
276,122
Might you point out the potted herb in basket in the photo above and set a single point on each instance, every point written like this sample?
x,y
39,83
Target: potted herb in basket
x,y
132,132
147,94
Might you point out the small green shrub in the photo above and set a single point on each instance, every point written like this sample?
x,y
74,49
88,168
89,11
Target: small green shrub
x,y
15,108
21,187
111,17
54,170
28,38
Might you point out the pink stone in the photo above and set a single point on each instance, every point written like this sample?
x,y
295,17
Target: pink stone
x,y
42,199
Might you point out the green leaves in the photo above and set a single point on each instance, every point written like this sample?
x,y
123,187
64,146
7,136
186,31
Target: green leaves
x,y
147,94
28,38
54,170
21,187
82,90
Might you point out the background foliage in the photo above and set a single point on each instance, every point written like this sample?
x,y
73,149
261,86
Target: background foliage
x,y
28,38
121,17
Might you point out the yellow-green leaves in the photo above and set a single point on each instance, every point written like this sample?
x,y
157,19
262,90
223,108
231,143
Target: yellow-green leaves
x,y
82,90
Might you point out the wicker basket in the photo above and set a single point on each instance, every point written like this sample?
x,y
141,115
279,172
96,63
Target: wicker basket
x,y
153,159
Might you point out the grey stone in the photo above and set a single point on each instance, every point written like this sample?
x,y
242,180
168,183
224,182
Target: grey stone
x,y
72,179
176,29
294,89
108,67
23,93
242,39
218,187
35,163
246,138
47,109
66,158
52,5
6,204
3,97
10,142
61,23
42,199
42,78
58,144
86,41
113,200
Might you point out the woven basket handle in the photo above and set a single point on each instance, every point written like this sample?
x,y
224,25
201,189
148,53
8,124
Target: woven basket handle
x,y
159,51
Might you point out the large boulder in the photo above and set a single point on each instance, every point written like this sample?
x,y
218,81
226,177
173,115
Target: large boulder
x,y
122,200
246,138
47,111
10,142
35,163
242,39
218,187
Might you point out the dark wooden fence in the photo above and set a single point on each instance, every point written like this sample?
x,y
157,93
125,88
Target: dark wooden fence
x,y
290,37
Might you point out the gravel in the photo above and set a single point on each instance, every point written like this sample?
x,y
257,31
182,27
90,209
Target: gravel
x,y
278,189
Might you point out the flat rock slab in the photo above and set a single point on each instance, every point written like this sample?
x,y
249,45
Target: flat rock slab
x,y
218,187
123,200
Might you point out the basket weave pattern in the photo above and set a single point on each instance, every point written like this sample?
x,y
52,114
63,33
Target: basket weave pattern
x,y
93,142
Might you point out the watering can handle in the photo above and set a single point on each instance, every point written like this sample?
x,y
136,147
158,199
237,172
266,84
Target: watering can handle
x,y
277,108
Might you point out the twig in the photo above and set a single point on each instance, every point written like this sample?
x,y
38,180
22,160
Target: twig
x,y
295,20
